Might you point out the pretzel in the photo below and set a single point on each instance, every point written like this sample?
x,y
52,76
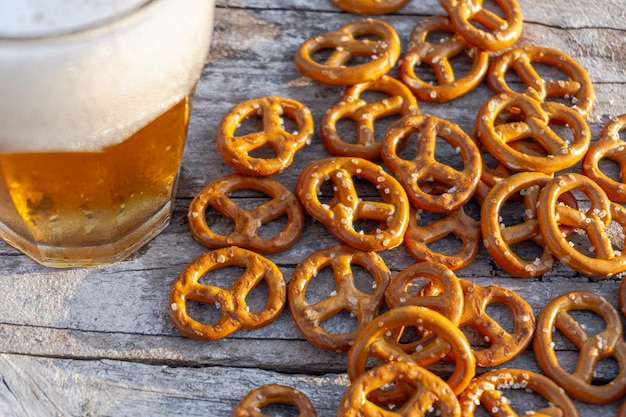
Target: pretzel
x,y
400,101
363,306
609,343
236,149
609,146
369,7
560,154
381,339
247,222
621,412
426,390
438,56
347,43
578,88
251,404
340,215
605,260
425,168
489,388
469,17
230,301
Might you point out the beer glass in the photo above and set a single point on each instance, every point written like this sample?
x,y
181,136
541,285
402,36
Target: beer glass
x,y
95,98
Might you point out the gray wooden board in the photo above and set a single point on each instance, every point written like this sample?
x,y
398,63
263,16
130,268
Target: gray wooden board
x,y
98,341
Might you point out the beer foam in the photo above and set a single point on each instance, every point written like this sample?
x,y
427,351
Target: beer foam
x,y
92,88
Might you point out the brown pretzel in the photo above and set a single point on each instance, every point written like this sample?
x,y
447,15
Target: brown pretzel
x,y
400,101
534,125
425,168
438,56
230,301
236,149
381,339
251,404
369,7
609,343
247,222
340,214
609,146
488,391
347,43
470,17
426,390
605,260
363,306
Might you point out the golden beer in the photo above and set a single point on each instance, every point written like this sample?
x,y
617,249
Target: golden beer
x,y
88,170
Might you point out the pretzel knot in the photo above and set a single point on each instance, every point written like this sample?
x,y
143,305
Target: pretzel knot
x,y
362,305
400,101
350,41
346,207
268,394
234,311
608,343
236,149
247,221
438,56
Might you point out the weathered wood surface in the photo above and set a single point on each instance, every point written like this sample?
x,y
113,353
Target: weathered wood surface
x,y
99,341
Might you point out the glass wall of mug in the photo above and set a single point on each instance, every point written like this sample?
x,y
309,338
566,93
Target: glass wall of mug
x,y
93,118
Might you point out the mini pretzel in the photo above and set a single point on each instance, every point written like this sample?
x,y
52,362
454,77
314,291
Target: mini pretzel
x,y
230,301
425,168
251,404
609,146
448,301
363,306
605,260
400,101
235,149
438,57
347,43
369,7
247,222
347,207
426,390
578,88
381,339
608,343
489,388
470,17
535,125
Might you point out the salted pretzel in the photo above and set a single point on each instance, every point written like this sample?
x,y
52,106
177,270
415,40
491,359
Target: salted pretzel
x,y
251,404
236,149
424,168
601,259
247,221
347,43
346,207
489,391
608,343
482,27
382,340
398,101
369,7
449,298
234,312
578,89
348,297
438,56
426,390
536,118
611,147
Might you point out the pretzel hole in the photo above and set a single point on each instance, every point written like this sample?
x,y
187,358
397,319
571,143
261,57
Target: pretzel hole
x,y
218,223
279,410
258,297
611,168
224,277
448,244
205,313
252,123
347,130
363,279
274,227
342,322
449,154
249,199
563,131
321,286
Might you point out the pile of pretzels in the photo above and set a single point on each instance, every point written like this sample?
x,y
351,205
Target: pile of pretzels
x,y
400,332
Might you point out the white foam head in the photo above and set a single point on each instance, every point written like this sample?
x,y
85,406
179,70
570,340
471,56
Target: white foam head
x,y
88,78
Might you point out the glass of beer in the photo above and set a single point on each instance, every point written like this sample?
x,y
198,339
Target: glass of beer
x,y
95,98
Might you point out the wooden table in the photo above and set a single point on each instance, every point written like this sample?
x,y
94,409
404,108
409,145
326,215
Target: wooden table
x,y
99,341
